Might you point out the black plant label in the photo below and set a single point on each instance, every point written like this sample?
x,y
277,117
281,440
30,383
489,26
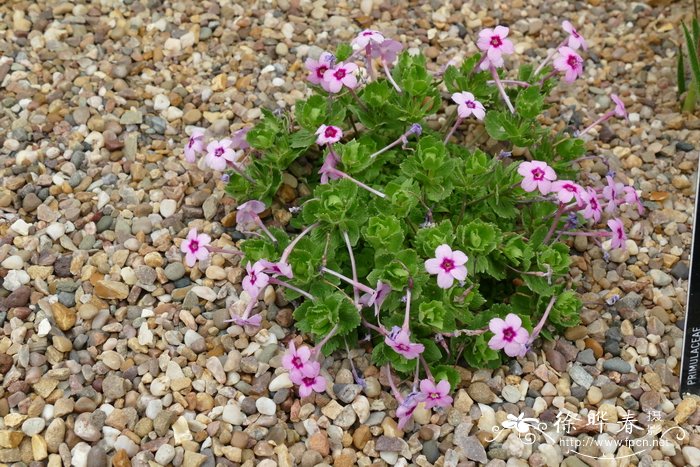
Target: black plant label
x,y
690,363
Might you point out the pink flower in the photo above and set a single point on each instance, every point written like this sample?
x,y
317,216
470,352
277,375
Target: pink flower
x,y
195,247
632,197
509,335
576,40
495,43
566,190
570,63
309,380
618,233
220,153
467,105
377,297
620,109
247,214
317,68
256,280
387,50
399,340
405,410
593,210
328,134
342,75
327,170
253,321
366,37
194,145
239,141
295,360
436,395
279,268
537,176
448,265
611,192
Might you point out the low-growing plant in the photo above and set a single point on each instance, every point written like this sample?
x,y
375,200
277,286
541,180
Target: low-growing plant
x,y
689,91
412,236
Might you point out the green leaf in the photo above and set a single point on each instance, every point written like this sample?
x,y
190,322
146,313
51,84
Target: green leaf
x,y
342,52
449,373
437,315
384,233
429,238
680,72
478,237
529,102
692,55
501,126
302,139
565,312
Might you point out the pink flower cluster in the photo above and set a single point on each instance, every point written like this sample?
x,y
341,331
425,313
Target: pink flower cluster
x,y
539,176
304,370
219,154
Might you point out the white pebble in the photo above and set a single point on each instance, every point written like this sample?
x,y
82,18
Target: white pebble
x,y
232,414
13,262
165,454
79,454
43,328
26,157
167,208
161,102
15,279
56,230
20,227
125,443
265,406
281,381
153,408
145,335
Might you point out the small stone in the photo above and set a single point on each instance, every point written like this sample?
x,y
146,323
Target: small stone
x,y
193,459
10,439
473,450
660,278
481,392
181,431
131,117
111,290
165,454
685,409
361,436
691,454
617,364
265,406
56,230
581,376
33,426
319,442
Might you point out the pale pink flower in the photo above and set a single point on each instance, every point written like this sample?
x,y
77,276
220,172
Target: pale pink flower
x,y
342,75
593,209
256,280
405,410
219,154
387,50
366,37
468,105
377,296
195,144
537,175
309,380
568,62
632,197
399,340
317,68
253,321
238,140
576,40
620,109
247,215
328,134
328,168
509,335
612,191
448,265
279,268
566,190
618,233
436,395
495,44
294,360
195,247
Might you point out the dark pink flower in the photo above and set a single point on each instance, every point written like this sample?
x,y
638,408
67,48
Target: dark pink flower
x,y
468,105
618,233
195,247
620,109
256,280
387,50
576,40
592,209
328,134
342,75
219,154
509,335
317,68
537,175
495,44
399,340
279,268
448,265
612,191
566,190
309,379
435,395
294,360
405,410
195,144
247,214
366,37
570,63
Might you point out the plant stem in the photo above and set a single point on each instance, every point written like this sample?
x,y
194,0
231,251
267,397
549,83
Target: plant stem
x,y
359,285
371,326
603,118
585,234
426,367
242,173
501,89
538,328
357,99
514,82
225,251
288,250
549,57
391,78
557,216
274,280
407,314
392,385
356,292
260,224
368,58
452,130
317,348
340,173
